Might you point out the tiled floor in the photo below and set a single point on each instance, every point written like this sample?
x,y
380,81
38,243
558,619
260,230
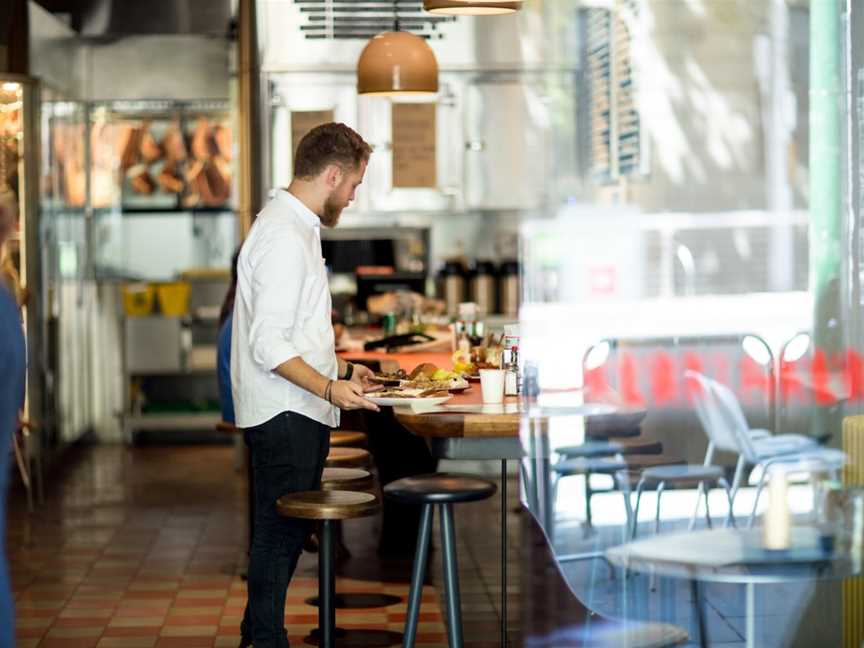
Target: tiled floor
x,y
143,547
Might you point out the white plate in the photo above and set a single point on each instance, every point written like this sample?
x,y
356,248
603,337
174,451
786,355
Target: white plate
x,y
398,402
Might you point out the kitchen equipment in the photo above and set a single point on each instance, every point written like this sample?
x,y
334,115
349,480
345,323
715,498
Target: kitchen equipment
x,y
377,284
398,341
483,289
508,288
453,286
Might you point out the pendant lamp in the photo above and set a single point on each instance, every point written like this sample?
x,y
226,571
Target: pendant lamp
x,y
472,7
397,63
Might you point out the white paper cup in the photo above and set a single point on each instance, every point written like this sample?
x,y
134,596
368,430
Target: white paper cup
x,y
492,385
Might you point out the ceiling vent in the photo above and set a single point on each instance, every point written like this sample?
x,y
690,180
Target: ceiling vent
x,y
363,19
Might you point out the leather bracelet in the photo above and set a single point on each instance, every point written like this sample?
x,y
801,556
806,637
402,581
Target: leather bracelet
x,y
327,391
349,371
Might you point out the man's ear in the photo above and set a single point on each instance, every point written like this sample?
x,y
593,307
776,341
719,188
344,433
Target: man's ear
x,y
333,175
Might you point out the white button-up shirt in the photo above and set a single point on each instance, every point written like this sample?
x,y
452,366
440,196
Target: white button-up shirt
x,y
281,311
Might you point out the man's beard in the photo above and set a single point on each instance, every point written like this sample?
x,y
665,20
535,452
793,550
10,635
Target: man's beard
x,y
332,212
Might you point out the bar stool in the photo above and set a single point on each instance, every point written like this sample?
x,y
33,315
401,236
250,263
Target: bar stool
x,y
443,490
328,507
347,479
348,458
347,439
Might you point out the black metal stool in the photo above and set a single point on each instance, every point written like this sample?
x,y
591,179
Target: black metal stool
x,y
444,490
328,507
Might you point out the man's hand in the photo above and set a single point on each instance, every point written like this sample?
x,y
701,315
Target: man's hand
x,y
348,395
362,376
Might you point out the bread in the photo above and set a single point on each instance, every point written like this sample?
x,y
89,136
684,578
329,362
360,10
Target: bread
x,y
426,370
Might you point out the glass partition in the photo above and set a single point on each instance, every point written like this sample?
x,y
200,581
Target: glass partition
x,y
686,320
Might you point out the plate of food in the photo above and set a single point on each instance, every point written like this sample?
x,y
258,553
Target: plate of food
x,y
428,376
406,396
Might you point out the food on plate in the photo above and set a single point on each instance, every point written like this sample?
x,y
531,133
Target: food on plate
x,y
454,383
391,378
424,377
469,363
427,370
411,393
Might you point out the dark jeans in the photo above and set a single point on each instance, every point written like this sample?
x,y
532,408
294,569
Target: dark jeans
x,y
287,454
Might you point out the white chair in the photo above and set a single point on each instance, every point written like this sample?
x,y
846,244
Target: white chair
x,y
726,417
721,436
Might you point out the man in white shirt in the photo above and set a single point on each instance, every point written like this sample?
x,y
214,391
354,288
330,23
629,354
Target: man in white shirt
x,y
287,383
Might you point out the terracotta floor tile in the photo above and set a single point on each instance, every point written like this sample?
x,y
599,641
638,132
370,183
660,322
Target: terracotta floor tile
x,y
179,609
188,630
184,642
136,622
80,622
26,642
34,622
127,642
72,642
74,633
132,631
191,619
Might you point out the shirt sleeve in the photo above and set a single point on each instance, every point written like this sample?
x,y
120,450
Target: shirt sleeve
x,y
277,280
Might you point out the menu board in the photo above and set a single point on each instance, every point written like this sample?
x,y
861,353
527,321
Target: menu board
x,y
414,145
303,121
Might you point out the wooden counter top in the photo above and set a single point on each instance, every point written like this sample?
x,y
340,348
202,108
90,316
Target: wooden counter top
x,y
462,424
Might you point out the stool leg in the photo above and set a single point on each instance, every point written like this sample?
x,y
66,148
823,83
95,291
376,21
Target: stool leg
x,y
326,586
451,578
504,553
417,575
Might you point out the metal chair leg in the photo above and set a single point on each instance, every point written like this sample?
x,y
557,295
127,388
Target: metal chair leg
x,y
660,487
588,499
739,473
729,498
418,573
623,481
707,510
756,500
326,586
451,578
639,488
652,581
699,493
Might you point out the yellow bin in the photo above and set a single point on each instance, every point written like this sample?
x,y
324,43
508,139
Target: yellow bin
x,y
138,299
173,298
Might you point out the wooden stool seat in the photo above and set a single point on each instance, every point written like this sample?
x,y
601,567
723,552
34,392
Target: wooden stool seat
x,y
347,458
351,479
327,505
347,438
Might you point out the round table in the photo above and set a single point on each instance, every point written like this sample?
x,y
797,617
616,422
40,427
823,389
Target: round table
x,y
735,556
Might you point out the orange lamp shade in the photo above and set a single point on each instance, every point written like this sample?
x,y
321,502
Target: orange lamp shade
x,y
472,7
394,63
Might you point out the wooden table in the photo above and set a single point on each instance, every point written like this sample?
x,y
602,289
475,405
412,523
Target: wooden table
x,y
485,423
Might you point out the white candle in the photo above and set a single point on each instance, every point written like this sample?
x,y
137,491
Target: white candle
x,y
775,526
